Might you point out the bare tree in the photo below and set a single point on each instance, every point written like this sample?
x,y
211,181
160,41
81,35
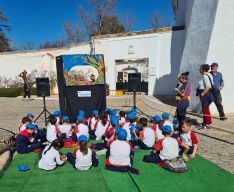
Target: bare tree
x,y
52,44
28,46
105,20
73,32
158,21
129,20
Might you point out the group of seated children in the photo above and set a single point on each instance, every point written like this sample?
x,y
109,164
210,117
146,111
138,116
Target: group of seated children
x,y
119,135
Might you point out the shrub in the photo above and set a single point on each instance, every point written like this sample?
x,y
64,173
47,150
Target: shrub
x,y
14,92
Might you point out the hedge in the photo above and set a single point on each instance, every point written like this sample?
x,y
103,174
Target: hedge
x,y
14,92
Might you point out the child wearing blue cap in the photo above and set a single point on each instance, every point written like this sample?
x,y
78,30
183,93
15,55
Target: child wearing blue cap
x,y
50,157
30,116
82,113
25,141
120,154
130,119
166,121
155,125
166,148
65,128
82,158
93,119
80,128
58,115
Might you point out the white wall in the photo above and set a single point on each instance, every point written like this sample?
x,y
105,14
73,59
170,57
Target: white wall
x,y
11,64
155,46
221,50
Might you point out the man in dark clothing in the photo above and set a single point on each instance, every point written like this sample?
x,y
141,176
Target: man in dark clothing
x,y
217,87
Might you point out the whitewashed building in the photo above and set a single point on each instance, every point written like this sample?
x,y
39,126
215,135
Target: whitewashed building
x,y
147,51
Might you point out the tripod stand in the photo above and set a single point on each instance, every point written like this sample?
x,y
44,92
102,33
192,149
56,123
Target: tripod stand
x,y
45,111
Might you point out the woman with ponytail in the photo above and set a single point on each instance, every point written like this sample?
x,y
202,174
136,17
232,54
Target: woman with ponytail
x,y
50,157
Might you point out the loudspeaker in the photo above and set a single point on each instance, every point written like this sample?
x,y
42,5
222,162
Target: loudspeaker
x,y
43,86
134,82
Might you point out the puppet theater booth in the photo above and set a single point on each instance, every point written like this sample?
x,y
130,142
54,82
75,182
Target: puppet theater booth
x,y
81,84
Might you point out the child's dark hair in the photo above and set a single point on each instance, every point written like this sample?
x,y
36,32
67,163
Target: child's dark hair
x,y
104,118
25,120
57,143
187,122
165,134
122,114
53,120
83,147
143,121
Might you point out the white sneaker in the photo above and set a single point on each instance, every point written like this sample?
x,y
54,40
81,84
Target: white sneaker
x,y
101,152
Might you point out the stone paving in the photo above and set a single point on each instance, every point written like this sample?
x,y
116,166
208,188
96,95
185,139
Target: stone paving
x,y
221,153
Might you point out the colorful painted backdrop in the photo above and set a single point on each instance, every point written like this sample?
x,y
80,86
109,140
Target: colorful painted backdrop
x,y
83,69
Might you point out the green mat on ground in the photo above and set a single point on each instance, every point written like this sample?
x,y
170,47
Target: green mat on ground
x,y
202,176
64,178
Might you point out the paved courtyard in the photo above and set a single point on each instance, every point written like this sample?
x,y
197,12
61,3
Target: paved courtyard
x,y
219,152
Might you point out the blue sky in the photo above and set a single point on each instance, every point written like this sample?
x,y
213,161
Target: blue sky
x,y
40,20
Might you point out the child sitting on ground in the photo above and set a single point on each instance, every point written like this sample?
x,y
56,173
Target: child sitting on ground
x,y
189,138
102,125
108,112
122,119
50,157
168,148
58,115
166,121
120,155
156,127
53,132
25,141
127,126
30,116
92,120
146,137
108,135
83,157
82,113
25,121
80,128
65,128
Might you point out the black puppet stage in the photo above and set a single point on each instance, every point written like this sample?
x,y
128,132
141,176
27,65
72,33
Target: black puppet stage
x,y
81,84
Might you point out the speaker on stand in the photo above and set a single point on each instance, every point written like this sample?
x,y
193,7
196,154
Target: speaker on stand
x,y
43,90
134,85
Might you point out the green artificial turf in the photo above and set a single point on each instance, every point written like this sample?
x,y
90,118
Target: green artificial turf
x,y
201,176
64,178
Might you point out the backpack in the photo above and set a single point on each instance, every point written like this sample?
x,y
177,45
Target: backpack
x,y
174,165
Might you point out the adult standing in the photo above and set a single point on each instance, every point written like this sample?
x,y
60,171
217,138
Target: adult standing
x,y
183,98
218,86
23,75
205,91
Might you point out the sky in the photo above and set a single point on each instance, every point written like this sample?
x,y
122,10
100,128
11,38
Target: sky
x,y
40,20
